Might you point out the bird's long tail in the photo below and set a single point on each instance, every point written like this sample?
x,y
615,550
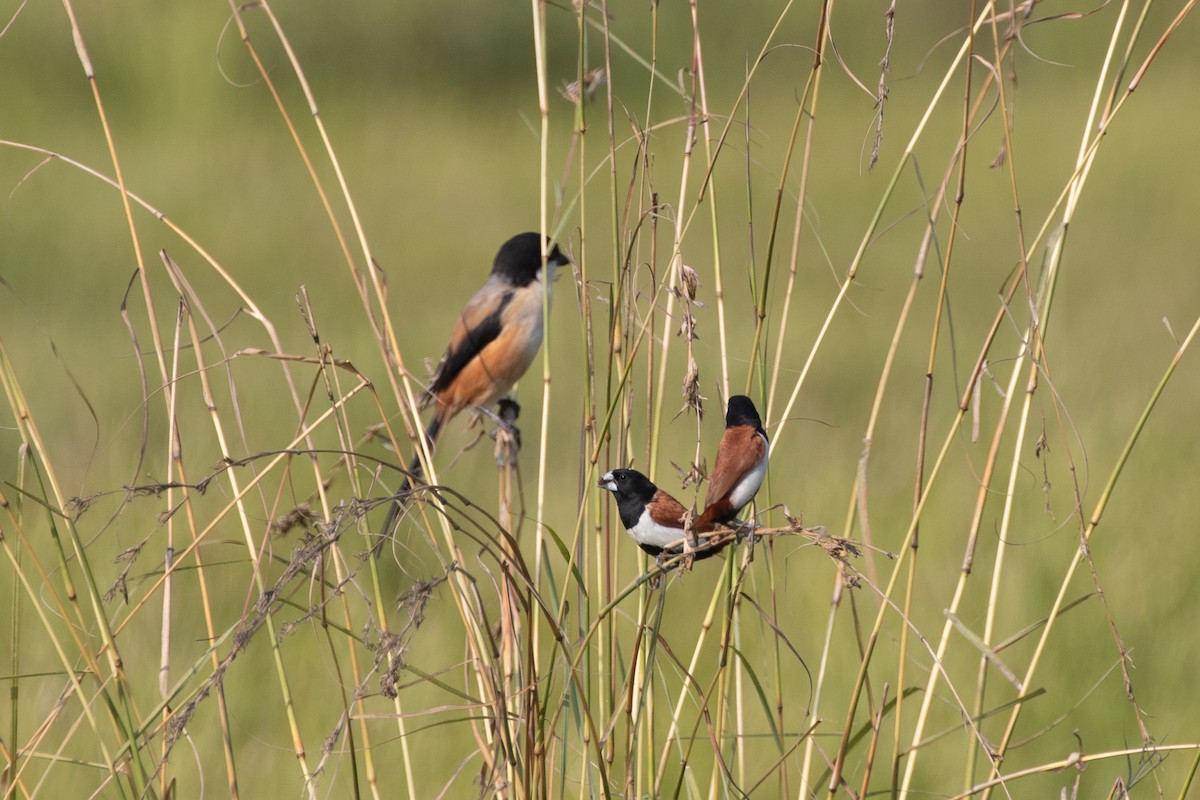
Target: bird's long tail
x,y
414,473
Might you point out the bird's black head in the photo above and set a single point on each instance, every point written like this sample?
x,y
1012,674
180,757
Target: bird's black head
x,y
741,411
520,258
629,483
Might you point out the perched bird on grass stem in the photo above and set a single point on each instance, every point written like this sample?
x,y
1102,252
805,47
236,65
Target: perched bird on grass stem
x,y
495,339
740,466
653,518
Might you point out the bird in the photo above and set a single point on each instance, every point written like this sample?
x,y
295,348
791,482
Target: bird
x,y
652,517
496,338
740,465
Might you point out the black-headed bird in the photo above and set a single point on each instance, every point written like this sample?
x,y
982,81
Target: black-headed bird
x,y
652,517
496,338
740,466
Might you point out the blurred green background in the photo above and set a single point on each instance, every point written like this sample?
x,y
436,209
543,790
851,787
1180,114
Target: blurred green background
x,y
433,112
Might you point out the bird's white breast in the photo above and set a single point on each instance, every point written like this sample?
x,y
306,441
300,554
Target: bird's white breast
x,y
647,531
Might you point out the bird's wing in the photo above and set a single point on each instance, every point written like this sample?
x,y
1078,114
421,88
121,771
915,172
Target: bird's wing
x,y
666,510
740,451
478,325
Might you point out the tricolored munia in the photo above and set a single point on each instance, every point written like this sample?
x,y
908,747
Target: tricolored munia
x,y
740,465
653,518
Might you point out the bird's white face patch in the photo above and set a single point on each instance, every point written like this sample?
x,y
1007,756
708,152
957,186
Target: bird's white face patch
x,y
550,272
